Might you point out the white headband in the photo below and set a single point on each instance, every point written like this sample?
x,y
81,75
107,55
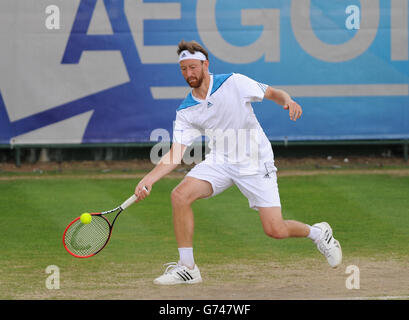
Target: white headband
x,y
185,54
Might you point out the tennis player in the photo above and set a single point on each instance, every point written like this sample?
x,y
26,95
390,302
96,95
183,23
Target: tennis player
x,y
219,106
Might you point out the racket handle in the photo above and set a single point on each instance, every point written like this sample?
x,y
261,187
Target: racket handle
x,y
130,200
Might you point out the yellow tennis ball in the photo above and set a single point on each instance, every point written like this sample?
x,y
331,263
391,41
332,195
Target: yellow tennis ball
x,y
86,218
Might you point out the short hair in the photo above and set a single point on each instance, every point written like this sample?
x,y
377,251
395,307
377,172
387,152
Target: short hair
x,y
191,46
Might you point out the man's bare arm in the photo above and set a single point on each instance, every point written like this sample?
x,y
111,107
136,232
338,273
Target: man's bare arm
x,y
284,99
167,164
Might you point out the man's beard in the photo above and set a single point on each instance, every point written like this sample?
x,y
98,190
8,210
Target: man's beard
x,y
197,81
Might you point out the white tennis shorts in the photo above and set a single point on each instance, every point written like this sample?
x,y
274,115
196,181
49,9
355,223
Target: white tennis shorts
x,y
260,189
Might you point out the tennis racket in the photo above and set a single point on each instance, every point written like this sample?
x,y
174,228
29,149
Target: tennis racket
x,y
86,240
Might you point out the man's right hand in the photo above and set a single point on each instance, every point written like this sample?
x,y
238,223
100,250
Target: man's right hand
x,y
142,190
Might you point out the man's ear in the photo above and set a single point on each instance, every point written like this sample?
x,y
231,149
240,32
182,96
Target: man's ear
x,y
206,64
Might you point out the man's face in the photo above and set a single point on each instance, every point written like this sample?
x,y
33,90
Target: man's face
x,y
193,71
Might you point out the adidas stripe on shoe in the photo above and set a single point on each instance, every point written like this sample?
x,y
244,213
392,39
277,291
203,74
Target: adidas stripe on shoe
x,y
328,245
178,274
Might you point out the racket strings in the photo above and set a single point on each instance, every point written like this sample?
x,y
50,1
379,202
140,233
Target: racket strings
x,y
87,239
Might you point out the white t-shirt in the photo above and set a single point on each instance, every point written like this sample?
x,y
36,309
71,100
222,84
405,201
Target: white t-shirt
x,y
227,118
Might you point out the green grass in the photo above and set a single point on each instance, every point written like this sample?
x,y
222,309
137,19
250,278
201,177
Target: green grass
x,y
369,215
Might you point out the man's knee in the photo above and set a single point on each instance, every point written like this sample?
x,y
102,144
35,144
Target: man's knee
x,y
190,190
179,197
276,232
273,224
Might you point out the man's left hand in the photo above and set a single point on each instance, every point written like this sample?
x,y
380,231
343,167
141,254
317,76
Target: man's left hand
x,y
294,108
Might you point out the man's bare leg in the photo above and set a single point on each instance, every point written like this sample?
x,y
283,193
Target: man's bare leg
x,y
276,227
185,271
321,233
188,191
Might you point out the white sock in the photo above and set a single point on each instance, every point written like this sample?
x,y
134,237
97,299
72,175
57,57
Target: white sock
x,y
314,234
186,257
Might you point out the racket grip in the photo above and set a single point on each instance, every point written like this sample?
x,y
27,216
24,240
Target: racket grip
x,y
130,200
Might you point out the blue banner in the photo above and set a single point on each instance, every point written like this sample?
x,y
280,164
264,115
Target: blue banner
x,y
99,71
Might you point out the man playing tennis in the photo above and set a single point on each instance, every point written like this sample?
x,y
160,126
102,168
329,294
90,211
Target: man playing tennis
x,y
219,106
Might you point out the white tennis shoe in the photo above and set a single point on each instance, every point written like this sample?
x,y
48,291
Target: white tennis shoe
x,y
178,274
328,245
